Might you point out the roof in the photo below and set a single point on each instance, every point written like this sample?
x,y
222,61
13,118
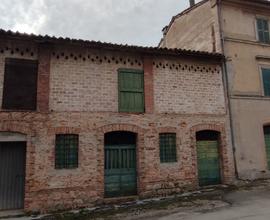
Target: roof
x,y
260,2
107,46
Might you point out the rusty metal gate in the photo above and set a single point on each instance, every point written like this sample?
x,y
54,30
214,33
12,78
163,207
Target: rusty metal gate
x,y
12,175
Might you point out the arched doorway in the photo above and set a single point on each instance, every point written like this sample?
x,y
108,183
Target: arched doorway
x,y
120,164
12,170
208,157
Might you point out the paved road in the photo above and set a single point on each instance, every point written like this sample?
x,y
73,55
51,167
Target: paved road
x,y
241,205
245,205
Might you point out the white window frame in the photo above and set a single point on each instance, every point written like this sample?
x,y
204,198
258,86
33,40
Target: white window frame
x,y
256,26
261,67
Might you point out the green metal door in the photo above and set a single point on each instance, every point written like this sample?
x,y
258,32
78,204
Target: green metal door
x,y
267,145
120,170
208,163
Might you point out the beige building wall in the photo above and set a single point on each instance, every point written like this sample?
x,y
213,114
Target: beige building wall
x,y
244,58
196,28
250,109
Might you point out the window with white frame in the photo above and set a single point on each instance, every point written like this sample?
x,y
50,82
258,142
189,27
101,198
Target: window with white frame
x,y
263,30
266,81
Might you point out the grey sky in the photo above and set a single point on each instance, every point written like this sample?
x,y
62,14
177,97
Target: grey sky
x,y
120,21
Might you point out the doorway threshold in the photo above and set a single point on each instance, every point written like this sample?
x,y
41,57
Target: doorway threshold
x,y
11,213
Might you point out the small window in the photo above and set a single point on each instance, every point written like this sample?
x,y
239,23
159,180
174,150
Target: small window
x,y
66,151
131,91
266,81
20,85
267,143
167,144
263,30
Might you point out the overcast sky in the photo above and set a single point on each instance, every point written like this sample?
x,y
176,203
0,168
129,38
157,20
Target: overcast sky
x,y
136,22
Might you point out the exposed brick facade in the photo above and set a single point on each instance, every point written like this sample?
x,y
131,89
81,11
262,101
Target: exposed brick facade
x,y
181,95
44,69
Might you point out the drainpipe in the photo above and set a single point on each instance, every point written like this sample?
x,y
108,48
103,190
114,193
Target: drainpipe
x,y
225,69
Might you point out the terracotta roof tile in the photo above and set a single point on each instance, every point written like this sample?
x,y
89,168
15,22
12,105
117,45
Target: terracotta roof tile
x,y
108,46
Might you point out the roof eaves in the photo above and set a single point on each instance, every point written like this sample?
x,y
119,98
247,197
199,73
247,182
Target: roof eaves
x,y
108,46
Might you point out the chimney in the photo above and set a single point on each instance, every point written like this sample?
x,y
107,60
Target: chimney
x,y
192,2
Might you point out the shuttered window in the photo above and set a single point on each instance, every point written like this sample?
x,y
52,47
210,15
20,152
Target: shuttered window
x,y
66,151
266,81
263,30
167,144
131,91
20,84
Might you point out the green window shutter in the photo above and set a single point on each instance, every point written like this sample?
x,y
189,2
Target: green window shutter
x,y
266,81
66,151
263,30
167,145
131,91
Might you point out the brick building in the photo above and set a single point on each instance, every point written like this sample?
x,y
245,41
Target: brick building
x,y
92,121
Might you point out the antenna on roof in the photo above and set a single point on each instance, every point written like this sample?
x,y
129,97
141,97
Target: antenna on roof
x,y
191,2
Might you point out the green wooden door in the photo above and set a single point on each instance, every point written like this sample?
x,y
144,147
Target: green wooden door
x,y
267,145
120,171
208,163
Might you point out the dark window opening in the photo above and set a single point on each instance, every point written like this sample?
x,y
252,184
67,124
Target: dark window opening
x,y
266,130
266,81
167,147
207,135
120,138
66,151
20,84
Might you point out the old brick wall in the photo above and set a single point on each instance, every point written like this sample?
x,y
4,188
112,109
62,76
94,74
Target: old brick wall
x,y
50,189
182,86
87,79
83,100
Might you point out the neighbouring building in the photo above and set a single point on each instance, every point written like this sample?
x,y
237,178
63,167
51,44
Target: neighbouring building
x,y
240,30
84,121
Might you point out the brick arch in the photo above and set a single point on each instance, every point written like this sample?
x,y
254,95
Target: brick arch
x,y
15,127
100,132
210,127
120,127
223,147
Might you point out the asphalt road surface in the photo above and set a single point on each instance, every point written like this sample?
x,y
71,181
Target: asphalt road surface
x,y
251,204
243,205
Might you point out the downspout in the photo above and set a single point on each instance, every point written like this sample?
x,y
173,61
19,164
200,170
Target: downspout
x,y
225,69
